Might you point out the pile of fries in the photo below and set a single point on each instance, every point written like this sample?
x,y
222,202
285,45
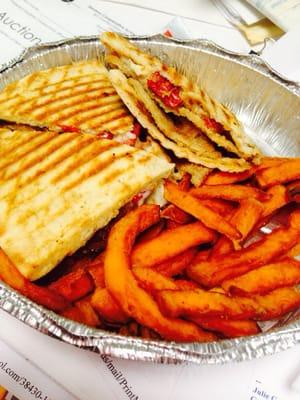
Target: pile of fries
x,y
200,269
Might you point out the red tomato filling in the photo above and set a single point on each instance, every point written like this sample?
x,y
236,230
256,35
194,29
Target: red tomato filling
x,y
68,128
165,90
213,124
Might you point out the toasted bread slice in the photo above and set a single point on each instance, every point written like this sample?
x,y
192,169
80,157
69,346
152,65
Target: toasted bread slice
x,y
57,190
184,97
76,97
149,116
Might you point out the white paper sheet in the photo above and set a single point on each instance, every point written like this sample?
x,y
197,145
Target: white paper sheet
x,y
284,13
25,23
284,55
21,377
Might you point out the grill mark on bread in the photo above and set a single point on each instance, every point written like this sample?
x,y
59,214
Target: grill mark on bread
x,y
99,166
81,149
89,171
16,144
94,108
93,170
106,119
55,87
45,150
85,158
116,125
73,101
44,138
40,101
75,82
79,145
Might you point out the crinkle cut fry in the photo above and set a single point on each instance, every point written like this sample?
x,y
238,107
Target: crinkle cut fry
x,y
262,280
213,272
122,285
41,295
199,303
193,206
170,243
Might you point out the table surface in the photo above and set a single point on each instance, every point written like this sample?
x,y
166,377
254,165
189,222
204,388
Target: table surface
x,y
83,373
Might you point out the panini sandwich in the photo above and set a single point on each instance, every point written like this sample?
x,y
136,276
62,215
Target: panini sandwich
x,y
183,139
77,97
57,190
178,95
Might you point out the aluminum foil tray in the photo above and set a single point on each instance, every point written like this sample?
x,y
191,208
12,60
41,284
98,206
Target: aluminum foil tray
x,y
265,102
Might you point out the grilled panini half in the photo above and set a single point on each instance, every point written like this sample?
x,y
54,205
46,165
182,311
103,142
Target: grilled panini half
x,y
183,141
76,97
57,190
176,94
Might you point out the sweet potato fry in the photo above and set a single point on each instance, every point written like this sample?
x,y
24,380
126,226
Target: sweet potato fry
x,y
294,251
172,224
130,329
279,198
216,270
122,285
199,303
229,192
74,285
175,214
244,219
177,264
152,281
90,316
226,178
185,182
202,255
293,190
229,328
184,284
288,171
97,273
82,312
193,206
220,206
106,306
41,295
147,333
170,243
151,232
267,162
265,279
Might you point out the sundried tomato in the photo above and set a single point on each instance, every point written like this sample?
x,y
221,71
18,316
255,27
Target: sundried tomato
x,y
68,128
213,124
165,90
